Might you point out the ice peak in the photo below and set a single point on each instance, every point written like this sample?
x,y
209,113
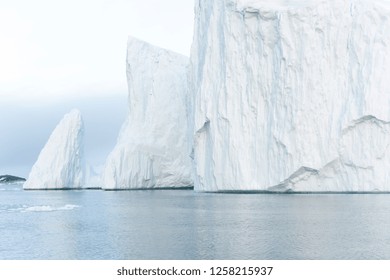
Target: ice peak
x,y
152,149
61,162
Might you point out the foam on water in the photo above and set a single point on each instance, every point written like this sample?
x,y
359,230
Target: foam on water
x,y
37,208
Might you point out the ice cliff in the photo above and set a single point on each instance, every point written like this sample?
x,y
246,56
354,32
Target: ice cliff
x,y
291,95
60,164
153,148
362,165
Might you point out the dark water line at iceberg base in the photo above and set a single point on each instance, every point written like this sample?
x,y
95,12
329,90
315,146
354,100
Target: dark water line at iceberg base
x,y
150,189
289,192
296,193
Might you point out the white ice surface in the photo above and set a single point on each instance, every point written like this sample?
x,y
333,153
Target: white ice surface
x,y
153,150
60,164
276,87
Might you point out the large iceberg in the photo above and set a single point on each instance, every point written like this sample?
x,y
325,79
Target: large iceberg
x,y
153,148
291,95
60,164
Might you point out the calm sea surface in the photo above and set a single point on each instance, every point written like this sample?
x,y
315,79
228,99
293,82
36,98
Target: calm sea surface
x,y
182,224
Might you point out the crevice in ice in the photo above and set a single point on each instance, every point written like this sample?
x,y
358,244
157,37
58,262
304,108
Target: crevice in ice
x,y
303,173
205,127
352,165
302,170
365,119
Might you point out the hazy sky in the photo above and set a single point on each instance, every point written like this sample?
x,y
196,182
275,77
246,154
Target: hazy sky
x,y
60,54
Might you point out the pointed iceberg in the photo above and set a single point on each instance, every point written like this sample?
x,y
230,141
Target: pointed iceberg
x,y
60,164
153,149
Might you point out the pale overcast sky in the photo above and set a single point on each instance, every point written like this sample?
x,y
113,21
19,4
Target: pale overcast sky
x,y
59,54
51,47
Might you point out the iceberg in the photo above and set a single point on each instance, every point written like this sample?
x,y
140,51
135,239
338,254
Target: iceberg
x,y
60,164
291,95
153,147
362,165
9,179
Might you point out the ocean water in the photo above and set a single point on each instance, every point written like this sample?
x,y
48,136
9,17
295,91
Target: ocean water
x,y
182,224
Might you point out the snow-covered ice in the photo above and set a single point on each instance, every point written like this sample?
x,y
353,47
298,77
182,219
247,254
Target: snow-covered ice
x,y
153,149
291,95
61,162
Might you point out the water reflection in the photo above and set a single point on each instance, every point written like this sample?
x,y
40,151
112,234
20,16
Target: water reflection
x,y
187,225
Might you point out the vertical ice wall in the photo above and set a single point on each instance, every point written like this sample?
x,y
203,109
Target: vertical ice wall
x,y
60,164
276,83
153,150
